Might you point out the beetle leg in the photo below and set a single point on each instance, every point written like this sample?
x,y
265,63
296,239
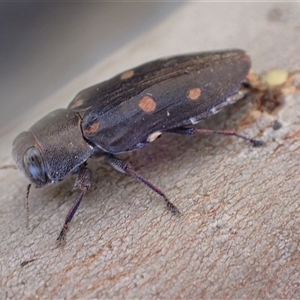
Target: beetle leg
x,y
126,168
190,131
83,181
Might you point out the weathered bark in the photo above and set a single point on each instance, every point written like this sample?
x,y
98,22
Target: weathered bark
x,y
237,235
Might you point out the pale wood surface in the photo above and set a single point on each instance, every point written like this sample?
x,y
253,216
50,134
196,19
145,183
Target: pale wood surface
x,y
238,234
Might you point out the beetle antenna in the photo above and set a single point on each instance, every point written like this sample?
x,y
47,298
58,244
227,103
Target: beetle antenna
x,y
8,167
27,205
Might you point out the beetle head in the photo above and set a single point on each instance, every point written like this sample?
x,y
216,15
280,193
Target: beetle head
x,y
52,148
29,159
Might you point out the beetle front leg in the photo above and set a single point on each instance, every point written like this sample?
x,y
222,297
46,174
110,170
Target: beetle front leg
x,y
126,168
83,181
191,131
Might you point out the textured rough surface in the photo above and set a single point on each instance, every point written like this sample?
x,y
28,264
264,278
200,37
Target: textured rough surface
x,y
238,234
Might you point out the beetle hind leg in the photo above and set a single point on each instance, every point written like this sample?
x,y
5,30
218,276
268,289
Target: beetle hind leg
x,y
126,168
191,131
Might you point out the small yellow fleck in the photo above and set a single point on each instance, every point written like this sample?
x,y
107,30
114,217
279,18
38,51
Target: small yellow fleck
x,y
153,136
77,103
127,75
275,77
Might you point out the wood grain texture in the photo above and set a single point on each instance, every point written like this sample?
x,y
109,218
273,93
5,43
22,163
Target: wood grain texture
x,y
238,233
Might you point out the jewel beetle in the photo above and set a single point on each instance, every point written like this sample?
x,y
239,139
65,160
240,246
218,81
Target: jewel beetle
x,y
127,112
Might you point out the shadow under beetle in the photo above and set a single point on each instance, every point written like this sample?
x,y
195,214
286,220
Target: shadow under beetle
x,y
128,112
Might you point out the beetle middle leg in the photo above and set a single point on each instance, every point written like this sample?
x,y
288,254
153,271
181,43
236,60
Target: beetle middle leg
x,y
126,168
191,131
83,181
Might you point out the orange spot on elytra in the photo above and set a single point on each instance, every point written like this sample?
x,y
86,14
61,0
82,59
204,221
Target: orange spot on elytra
x,y
127,74
92,128
77,103
194,94
147,104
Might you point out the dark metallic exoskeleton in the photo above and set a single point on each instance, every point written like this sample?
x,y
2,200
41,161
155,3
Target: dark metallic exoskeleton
x,y
126,113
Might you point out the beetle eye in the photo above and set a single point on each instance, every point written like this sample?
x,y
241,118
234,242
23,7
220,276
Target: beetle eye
x,y
35,167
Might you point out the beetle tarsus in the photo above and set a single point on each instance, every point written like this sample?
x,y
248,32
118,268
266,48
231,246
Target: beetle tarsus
x,y
62,234
257,143
125,167
174,210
